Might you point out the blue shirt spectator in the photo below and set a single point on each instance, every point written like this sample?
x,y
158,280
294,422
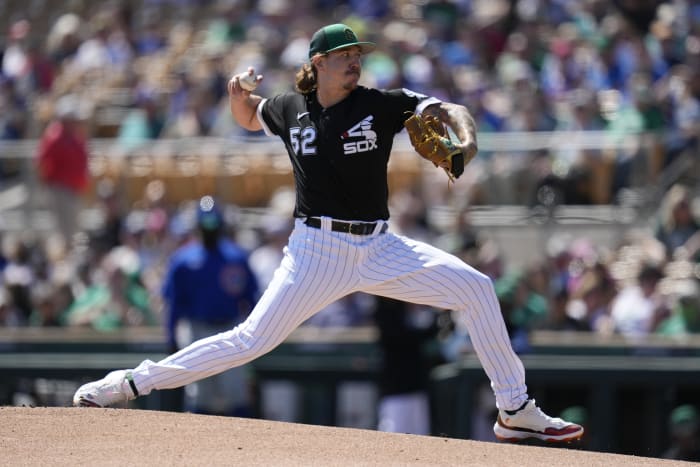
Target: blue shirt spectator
x,y
210,288
209,280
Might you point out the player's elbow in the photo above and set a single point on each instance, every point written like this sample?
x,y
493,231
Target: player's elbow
x,y
251,125
248,121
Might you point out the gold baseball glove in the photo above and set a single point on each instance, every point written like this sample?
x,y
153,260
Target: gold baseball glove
x,y
430,139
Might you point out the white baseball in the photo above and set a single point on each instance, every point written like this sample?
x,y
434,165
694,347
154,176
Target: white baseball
x,y
247,81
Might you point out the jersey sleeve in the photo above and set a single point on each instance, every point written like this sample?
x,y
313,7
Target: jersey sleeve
x,y
405,102
271,112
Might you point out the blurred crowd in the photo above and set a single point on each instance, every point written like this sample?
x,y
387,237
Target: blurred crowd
x,y
142,70
111,276
138,71
147,69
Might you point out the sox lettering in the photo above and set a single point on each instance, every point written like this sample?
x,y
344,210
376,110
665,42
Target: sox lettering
x,y
361,130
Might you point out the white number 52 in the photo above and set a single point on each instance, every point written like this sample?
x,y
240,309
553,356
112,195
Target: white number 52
x,y
304,140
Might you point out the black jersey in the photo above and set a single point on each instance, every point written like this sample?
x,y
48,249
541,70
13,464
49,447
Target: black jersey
x,y
340,154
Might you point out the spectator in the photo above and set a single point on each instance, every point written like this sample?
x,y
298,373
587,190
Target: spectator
x,y
685,313
19,274
558,318
108,235
64,38
209,288
152,241
15,60
195,118
684,430
62,161
180,95
14,118
591,296
114,297
560,260
28,74
638,307
490,260
150,37
522,306
639,114
41,69
10,316
49,302
105,51
676,222
143,122
682,104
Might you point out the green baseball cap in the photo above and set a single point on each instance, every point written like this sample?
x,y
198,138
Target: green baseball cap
x,y
334,37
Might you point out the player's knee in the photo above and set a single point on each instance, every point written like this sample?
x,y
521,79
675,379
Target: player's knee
x,y
477,287
248,341
487,287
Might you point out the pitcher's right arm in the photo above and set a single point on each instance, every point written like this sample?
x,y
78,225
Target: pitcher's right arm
x,y
244,104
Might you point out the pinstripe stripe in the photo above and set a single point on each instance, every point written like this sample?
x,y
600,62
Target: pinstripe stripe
x,y
320,267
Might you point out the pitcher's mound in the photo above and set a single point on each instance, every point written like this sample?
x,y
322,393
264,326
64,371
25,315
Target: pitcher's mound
x,y
82,436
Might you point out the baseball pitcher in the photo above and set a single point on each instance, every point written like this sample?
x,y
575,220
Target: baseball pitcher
x,y
339,136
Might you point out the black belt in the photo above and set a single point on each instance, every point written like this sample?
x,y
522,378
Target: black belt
x,y
355,228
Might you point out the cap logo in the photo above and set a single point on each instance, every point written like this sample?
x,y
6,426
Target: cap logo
x,y
349,35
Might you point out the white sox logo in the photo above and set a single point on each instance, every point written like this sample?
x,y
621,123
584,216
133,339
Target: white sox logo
x,y
360,130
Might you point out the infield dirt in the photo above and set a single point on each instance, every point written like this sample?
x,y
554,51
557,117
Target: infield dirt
x,y
58,436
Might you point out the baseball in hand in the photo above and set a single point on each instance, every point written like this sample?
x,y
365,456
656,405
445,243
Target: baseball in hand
x,y
247,81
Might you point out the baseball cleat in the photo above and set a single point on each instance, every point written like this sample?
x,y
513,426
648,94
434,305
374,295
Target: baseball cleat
x,y
117,386
531,422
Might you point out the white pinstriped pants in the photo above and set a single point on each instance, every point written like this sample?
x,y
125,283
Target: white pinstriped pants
x,y
321,266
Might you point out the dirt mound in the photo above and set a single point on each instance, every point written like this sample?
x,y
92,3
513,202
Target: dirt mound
x,y
71,436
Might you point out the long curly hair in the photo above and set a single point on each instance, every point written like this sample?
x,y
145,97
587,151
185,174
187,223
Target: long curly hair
x,y
305,81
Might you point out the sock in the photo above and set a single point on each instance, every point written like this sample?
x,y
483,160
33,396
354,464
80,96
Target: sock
x,y
130,379
513,412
